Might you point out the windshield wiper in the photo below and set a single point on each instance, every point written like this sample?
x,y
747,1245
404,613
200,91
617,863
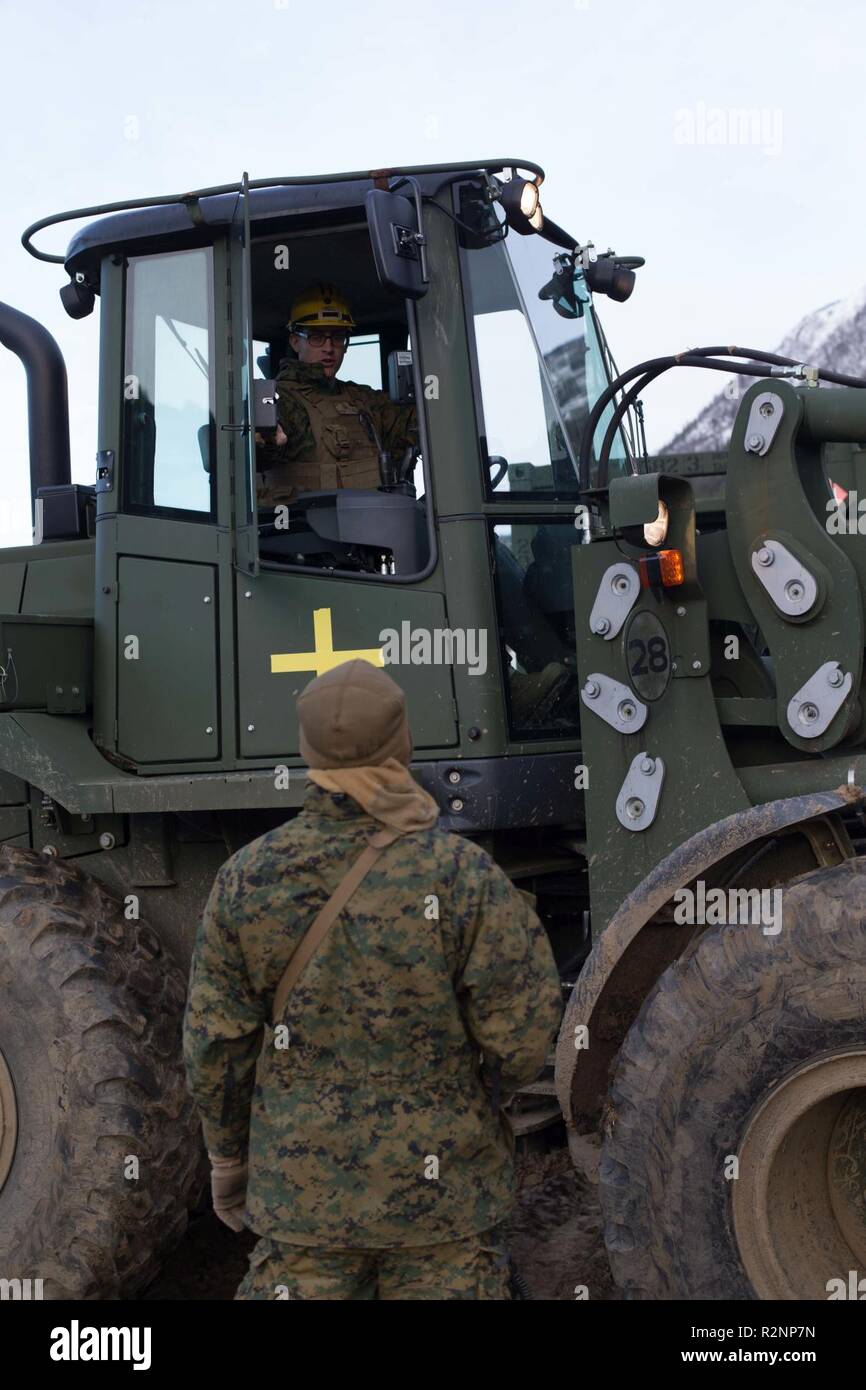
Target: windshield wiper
x,y
192,353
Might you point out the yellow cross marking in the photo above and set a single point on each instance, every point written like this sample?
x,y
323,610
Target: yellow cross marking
x,y
324,658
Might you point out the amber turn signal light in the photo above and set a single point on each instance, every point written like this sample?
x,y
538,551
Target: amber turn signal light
x,y
662,571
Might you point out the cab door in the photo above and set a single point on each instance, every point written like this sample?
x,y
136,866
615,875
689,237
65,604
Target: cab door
x,y
160,551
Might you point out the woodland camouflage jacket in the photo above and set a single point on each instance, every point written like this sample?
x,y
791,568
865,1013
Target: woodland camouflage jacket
x,y
328,445
375,1125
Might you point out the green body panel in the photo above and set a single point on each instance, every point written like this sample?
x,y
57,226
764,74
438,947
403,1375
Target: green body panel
x,y
682,726
12,574
167,672
275,617
718,579
55,754
721,726
777,497
480,698
61,584
14,825
774,781
48,579
48,662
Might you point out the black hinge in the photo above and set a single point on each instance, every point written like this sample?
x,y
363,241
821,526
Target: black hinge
x,y
105,470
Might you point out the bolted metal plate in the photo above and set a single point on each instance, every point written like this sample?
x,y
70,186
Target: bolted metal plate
x,y
617,594
765,417
790,585
814,707
648,656
638,799
613,702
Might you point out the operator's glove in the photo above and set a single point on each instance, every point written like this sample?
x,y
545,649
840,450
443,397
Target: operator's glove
x,y
228,1185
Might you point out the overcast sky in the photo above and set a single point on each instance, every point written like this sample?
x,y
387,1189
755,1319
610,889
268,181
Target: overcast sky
x,y
632,109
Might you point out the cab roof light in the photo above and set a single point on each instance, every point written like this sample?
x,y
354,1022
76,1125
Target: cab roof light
x,y
522,206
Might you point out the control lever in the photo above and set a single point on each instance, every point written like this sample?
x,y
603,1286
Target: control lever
x,y
395,476
407,466
386,467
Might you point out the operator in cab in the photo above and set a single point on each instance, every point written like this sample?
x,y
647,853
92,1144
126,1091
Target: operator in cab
x,y
331,433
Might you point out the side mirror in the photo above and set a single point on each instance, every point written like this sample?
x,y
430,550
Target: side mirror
x,y
398,241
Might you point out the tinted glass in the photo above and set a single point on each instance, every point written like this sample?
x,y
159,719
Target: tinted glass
x,y
168,411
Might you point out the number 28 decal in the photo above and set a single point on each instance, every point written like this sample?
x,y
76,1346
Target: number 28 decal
x,y
648,656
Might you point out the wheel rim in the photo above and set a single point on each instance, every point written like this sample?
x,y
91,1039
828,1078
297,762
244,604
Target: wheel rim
x,y
799,1202
8,1121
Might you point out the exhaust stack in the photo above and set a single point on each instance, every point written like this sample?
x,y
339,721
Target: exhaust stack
x,y
47,396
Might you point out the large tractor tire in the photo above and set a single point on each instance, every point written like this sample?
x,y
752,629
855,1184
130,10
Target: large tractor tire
x,y
751,1048
99,1151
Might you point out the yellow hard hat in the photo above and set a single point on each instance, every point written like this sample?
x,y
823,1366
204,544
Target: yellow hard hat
x,y
321,306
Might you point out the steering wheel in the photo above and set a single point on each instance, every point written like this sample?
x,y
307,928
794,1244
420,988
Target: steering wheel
x,y
501,466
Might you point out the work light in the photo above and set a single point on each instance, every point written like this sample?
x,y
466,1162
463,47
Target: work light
x,y
522,206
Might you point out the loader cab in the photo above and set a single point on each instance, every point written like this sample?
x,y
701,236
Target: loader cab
x,y
213,605
202,298
177,435
490,339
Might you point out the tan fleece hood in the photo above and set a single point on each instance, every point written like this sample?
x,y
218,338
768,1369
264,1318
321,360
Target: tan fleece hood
x,y
355,738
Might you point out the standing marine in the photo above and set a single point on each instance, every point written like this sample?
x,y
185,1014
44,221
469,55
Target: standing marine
x,y
330,432
367,991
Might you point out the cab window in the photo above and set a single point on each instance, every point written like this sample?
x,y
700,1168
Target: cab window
x,y
365,361
535,607
338,462
168,408
538,370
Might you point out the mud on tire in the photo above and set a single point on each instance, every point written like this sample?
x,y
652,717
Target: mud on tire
x,y
722,1028
90,1032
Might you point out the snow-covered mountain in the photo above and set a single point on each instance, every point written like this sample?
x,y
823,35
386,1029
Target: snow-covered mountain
x,y
833,337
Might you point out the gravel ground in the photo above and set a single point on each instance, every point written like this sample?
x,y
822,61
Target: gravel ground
x,y
554,1237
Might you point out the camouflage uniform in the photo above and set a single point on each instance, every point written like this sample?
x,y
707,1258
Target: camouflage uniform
x,y
380,1085
327,446
475,1268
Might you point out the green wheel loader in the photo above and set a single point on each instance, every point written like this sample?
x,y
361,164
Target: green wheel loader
x,y
637,681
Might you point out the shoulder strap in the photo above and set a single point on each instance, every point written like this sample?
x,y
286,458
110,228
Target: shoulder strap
x,y
306,949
